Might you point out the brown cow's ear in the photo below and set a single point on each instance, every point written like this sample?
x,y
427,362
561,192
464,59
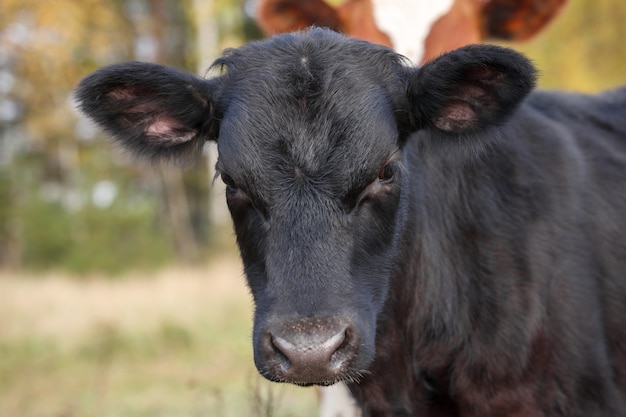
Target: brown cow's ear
x,y
279,16
518,20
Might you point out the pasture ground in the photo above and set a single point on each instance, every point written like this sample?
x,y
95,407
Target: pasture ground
x,y
175,343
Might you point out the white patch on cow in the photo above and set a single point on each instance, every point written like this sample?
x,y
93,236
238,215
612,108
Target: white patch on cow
x,y
336,401
408,23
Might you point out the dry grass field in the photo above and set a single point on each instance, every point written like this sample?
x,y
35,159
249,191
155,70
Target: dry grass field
x,y
171,343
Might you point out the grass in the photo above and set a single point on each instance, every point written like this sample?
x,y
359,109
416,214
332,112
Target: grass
x,y
176,343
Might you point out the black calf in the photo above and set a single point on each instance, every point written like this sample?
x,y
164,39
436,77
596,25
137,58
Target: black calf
x,y
434,236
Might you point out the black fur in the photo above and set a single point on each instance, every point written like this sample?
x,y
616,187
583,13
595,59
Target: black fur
x,y
445,243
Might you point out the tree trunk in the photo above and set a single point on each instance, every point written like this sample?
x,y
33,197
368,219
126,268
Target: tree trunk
x,y
186,194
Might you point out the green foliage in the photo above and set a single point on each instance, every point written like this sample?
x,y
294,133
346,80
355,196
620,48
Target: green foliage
x,y
47,216
582,50
91,238
5,214
61,226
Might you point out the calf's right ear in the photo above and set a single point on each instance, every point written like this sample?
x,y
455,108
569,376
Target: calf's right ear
x,y
151,110
469,89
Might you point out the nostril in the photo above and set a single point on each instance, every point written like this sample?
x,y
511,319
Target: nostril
x,y
343,352
282,348
334,342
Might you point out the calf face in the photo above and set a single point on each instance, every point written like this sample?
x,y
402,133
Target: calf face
x,y
310,130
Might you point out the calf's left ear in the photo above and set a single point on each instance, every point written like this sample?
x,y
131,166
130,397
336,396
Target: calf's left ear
x,y
469,89
153,111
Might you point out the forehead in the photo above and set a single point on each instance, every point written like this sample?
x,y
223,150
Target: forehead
x,y
311,110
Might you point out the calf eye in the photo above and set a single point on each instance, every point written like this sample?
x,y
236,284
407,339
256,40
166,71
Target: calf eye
x,y
228,180
237,198
386,174
378,188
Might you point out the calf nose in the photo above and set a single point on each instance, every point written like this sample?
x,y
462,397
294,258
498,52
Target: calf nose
x,y
309,351
302,356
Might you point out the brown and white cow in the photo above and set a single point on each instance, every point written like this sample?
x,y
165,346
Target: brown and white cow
x,y
419,29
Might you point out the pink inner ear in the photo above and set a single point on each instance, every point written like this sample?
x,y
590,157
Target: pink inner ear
x,y
162,126
168,131
456,116
125,93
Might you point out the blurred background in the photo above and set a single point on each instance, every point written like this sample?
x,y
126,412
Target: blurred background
x,y
120,288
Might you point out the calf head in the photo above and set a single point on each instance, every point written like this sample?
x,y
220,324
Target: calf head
x,y
310,130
